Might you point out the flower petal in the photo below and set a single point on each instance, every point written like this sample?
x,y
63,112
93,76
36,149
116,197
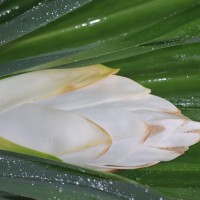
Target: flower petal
x,y
36,85
53,131
172,133
110,89
147,102
11,146
127,130
142,157
145,129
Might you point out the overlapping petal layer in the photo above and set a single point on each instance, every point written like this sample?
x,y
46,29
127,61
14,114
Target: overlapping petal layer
x,y
99,120
36,85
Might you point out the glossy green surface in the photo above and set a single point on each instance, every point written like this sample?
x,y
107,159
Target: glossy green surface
x,y
35,17
154,42
112,26
45,179
11,9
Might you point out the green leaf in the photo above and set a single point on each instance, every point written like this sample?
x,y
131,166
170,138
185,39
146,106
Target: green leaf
x,y
154,42
44,61
9,196
44,179
34,17
112,27
172,73
10,9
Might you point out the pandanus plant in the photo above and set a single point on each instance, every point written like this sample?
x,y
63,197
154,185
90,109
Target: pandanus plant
x,y
91,117
112,122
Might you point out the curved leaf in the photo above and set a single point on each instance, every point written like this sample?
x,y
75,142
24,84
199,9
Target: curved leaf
x,y
153,42
113,27
44,61
10,9
47,179
35,17
172,73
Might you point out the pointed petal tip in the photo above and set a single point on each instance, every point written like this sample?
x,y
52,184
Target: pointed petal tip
x,y
102,69
191,130
83,76
47,83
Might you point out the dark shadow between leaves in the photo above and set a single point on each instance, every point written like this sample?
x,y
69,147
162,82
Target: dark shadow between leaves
x,y
9,196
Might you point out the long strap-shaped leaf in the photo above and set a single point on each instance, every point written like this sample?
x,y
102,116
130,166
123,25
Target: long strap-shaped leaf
x,y
10,9
37,16
44,179
113,27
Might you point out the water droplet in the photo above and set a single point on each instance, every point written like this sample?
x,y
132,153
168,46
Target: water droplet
x,y
94,21
77,183
84,24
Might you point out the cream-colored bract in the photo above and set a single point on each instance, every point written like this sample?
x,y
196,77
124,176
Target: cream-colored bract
x,y
90,117
36,85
